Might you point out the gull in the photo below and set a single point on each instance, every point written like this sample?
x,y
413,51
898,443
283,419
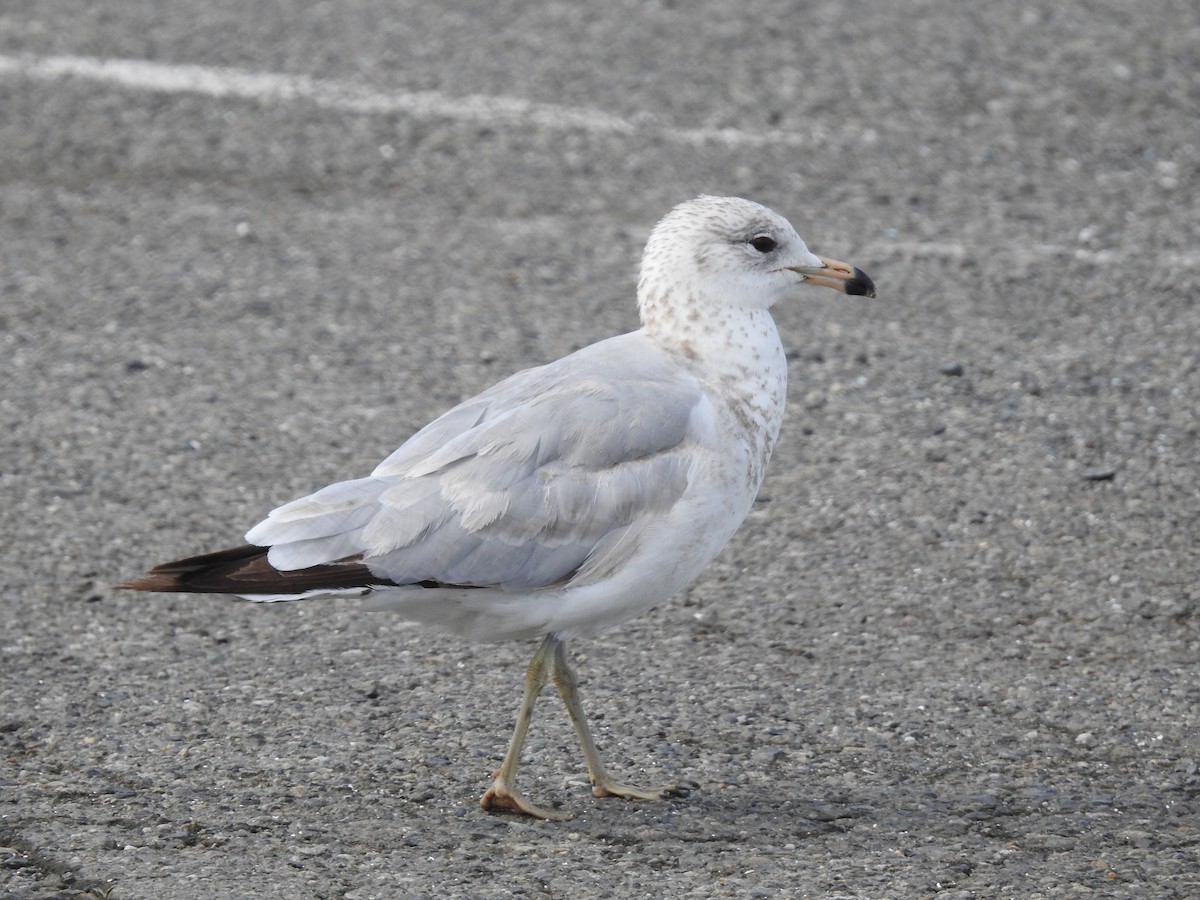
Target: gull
x,y
571,496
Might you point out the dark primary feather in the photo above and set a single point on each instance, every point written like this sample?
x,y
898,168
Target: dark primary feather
x,y
245,570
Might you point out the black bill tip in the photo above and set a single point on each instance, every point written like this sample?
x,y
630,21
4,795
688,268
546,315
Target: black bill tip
x,y
860,284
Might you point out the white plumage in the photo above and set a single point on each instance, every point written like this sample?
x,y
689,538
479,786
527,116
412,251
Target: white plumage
x,y
570,496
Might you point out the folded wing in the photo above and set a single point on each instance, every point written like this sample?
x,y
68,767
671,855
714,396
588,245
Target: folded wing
x,y
517,488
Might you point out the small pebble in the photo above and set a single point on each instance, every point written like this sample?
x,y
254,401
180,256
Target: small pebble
x,y
953,368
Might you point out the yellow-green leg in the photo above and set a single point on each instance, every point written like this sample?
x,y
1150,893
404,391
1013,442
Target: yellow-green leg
x,y
602,784
550,659
503,793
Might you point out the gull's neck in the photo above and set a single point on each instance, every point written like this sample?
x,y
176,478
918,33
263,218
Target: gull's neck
x,y
735,350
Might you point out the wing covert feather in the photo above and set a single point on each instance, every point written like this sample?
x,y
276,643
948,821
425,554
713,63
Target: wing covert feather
x,y
517,487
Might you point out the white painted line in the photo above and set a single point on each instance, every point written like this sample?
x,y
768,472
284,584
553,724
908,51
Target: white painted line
x,y
269,87
480,109
1025,254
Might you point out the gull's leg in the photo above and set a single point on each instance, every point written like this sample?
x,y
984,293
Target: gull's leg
x,y
503,793
602,784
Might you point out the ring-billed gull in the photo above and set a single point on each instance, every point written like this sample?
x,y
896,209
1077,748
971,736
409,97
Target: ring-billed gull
x,y
571,496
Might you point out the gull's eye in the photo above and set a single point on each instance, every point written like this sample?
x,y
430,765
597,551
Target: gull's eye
x,y
763,243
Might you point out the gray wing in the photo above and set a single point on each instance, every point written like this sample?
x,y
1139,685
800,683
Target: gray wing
x,y
521,487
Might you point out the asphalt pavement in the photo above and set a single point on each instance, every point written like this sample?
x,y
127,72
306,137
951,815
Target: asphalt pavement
x,y
247,249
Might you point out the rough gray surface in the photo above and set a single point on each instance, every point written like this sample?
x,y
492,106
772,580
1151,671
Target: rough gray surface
x,y
953,650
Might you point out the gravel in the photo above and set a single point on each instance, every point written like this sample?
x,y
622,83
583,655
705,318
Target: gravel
x,y
952,651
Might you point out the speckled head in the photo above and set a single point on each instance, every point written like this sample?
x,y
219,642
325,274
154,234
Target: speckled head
x,y
733,253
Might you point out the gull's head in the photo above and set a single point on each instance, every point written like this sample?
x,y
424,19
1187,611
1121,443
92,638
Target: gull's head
x,y
733,253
